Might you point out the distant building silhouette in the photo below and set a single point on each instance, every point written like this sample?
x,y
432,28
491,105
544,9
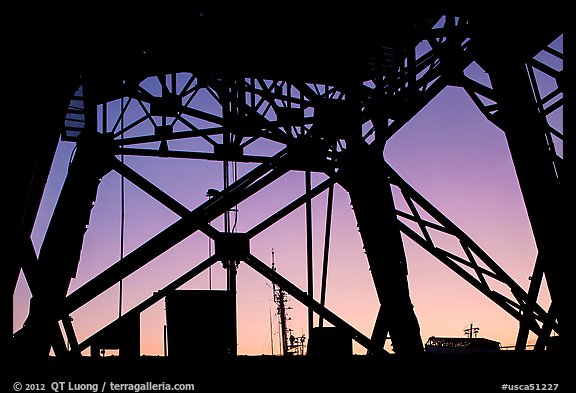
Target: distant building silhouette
x,y
460,345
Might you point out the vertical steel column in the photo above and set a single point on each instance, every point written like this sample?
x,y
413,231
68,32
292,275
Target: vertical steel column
x,y
524,128
362,172
28,175
326,249
60,252
363,175
534,289
70,334
567,180
309,251
231,111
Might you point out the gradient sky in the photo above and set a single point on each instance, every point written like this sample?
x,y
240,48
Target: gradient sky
x,y
448,152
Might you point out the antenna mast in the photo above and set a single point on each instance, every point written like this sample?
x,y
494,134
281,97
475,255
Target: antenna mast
x,y
472,331
290,344
280,300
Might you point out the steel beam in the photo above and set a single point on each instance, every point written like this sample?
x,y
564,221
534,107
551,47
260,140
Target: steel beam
x,y
363,174
569,74
60,252
257,179
309,250
189,155
156,193
308,301
156,297
381,328
292,206
28,170
326,254
525,132
371,199
533,290
521,306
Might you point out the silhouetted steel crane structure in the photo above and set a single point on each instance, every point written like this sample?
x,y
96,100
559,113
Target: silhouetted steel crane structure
x,y
331,100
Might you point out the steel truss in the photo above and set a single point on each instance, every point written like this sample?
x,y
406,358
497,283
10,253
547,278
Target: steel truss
x,y
337,128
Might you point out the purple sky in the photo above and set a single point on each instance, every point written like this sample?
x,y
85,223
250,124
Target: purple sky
x,y
448,152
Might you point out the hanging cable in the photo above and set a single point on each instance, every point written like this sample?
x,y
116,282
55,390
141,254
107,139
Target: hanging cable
x,y
234,179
